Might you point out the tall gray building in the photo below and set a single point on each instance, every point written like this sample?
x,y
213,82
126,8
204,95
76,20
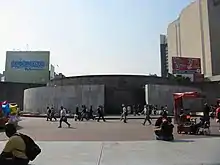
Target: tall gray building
x,y
164,55
196,34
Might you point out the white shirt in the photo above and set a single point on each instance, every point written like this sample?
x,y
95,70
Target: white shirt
x,y
124,109
145,111
63,113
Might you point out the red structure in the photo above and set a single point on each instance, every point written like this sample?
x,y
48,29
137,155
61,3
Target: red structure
x,y
178,101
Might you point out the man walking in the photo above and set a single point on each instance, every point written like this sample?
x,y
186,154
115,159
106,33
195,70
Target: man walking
x,y
48,113
63,117
100,113
124,113
53,114
147,115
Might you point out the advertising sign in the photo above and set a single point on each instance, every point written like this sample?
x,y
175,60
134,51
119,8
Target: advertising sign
x,y
27,66
183,65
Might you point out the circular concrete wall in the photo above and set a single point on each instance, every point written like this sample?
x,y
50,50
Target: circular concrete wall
x,y
110,80
37,99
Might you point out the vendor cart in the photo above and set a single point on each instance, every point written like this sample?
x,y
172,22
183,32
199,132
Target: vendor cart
x,y
178,102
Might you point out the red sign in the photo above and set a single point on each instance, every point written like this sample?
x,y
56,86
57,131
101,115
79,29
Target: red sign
x,y
183,65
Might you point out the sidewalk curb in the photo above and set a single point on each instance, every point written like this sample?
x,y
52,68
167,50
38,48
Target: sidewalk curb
x,y
106,117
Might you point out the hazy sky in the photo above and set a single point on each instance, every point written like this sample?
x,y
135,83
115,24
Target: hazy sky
x,y
89,36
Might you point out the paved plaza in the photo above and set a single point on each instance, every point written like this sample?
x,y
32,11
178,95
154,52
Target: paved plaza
x,y
112,130
113,142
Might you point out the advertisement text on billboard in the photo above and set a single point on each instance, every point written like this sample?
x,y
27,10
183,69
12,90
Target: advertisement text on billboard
x,y
183,65
28,65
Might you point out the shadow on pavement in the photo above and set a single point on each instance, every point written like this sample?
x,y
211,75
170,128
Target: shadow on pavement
x,y
68,127
182,141
214,135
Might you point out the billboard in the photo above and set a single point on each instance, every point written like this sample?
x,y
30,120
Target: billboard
x,y
185,65
27,66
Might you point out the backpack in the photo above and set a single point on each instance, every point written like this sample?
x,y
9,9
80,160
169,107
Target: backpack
x,y
32,149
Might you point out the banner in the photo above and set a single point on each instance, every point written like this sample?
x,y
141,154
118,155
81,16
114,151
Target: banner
x,y
183,65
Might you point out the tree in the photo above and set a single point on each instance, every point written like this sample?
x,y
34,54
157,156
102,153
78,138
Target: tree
x,y
178,78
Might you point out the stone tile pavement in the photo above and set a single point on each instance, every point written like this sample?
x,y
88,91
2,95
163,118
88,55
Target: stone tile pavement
x,y
179,152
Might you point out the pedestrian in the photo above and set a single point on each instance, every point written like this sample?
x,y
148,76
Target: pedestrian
x,y
217,113
83,113
53,114
166,109
63,117
100,112
48,113
87,114
124,113
20,148
134,110
206,111
139,109
91,113
77,116
129,109
146,112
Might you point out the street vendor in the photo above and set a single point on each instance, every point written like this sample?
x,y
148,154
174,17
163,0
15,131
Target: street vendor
x,y
164,128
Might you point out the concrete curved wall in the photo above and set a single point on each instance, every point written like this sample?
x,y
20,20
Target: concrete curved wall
x,y
37,99
111,80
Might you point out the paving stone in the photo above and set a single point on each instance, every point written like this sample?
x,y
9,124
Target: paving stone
x,y
180,152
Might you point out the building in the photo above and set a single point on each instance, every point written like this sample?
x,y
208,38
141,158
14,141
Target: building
x,y
27,67
196,34
164,55
109,90
52,72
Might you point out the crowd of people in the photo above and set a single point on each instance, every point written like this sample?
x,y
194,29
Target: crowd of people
x,y
85,113
80,114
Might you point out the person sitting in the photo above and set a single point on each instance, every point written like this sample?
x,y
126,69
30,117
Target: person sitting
x,y
188,117
164,128
203,121
182,117
14,151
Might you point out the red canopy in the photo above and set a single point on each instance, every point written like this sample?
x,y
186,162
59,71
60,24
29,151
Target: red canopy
x,y
187,95
178,97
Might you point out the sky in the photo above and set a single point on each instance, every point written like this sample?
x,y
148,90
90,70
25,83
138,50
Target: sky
x,y
89,36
